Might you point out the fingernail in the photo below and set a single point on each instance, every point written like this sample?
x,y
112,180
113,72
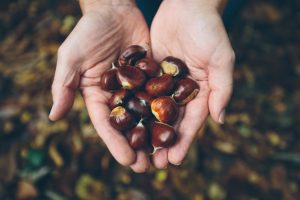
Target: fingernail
x,y
221,117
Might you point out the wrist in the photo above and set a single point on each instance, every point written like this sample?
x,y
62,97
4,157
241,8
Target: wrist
x,y
89,5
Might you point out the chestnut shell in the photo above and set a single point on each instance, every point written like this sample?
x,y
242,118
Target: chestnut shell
x,y
162,135
137,137
130,77
121,119
143,96
149,67
119,98
131,55
138,107
160,86
165,109
174,66
108,80
186,90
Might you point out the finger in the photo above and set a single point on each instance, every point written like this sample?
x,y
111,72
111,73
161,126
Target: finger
x,y
195,114
142,163
160,159
220,82
98,111
64,85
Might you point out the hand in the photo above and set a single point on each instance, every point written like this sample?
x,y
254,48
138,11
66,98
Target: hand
x,y
96,41
193,31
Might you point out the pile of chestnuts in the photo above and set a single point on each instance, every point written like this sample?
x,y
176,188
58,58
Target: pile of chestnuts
x,y
146,97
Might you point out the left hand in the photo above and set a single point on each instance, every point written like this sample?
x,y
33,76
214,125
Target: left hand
x,y
193,31
106,27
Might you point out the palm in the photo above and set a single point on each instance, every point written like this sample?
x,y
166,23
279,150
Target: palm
x,y
99,37
89,50
197,37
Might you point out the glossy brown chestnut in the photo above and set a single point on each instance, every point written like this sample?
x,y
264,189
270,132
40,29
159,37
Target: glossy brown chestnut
x,y
119,98
174,66
165,109
137,137
109,81
130,77
131,55
186,90
138,107
121,119
162,135
143,96
149,67
160,86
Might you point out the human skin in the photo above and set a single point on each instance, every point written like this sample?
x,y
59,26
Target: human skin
x,y
193,31
105,29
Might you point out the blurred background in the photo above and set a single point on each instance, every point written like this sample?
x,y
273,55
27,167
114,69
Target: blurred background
x,y
255,155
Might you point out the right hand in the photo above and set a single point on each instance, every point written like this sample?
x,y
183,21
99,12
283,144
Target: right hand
x,y
193,31
105,29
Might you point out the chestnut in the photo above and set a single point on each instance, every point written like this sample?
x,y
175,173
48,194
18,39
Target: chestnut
x,y
162,135
108,80
130,77
144,97
137,137
118,98
149,67
131,55
121,119
165,109
138,107
174,66
160,86
186,90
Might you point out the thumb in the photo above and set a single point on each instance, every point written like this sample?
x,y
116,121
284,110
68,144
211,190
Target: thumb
x,y
65,83
220,81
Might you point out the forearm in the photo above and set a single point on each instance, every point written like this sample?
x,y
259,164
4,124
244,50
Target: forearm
x,y
87,5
